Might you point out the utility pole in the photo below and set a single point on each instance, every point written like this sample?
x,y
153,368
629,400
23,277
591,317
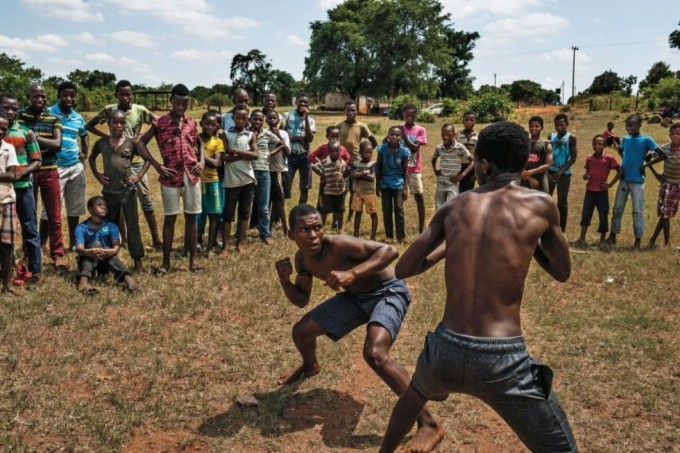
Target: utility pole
x,y
494,80
573,73
562,91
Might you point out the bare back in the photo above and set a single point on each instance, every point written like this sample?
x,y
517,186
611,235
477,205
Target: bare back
x,y
491,234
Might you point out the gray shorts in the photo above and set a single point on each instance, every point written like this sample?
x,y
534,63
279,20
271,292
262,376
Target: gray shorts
x,y
500,372
346,311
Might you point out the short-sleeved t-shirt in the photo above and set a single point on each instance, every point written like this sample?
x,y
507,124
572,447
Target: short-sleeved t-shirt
x,y
634,150
238,173
117,162
135,118
278,161
538,151
263,141
391,166
469,141
104,235
671,166
73,126
26,149
598,170
363,186
451,159
561,152
8,158
333,175
419,134
294,124
177,143
351,135
42,125
211,148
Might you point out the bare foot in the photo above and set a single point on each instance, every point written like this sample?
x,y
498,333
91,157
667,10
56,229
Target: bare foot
x,y
426,439
297,373
138,266
223,253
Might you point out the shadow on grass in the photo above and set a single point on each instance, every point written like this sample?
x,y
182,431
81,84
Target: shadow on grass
x,y
285,411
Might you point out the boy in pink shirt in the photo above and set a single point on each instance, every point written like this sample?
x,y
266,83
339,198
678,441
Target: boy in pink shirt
x,y
414,137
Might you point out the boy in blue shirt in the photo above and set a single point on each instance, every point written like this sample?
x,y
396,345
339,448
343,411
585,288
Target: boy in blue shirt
x,y
635,149
97,245
390,175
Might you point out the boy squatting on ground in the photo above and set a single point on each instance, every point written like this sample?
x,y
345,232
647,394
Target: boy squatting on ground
x,y
8,164
371,296
669,192
97,245
478,348
450,154
333,170
119,183
363,193
598,166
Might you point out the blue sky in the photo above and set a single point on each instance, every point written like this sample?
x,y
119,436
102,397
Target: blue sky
x,y
193,41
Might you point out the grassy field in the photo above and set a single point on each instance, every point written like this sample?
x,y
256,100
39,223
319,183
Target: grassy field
x,y
161,370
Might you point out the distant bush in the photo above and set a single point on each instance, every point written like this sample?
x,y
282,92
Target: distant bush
x,y
452,107
375,128
666,92
490,105
424,117
397,107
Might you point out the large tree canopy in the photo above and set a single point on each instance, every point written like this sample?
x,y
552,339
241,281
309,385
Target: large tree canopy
x,y
15,77
606,82
388,47
674,39
251,71
659,70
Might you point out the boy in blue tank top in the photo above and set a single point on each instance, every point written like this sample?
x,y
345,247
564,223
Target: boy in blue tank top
x,y
564,156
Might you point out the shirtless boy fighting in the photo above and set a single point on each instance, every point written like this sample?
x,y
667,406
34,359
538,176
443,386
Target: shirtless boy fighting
x,y
372,296
478,348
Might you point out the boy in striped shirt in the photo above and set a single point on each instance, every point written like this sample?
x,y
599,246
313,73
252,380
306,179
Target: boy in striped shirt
x,y
450,154
669,192
333,170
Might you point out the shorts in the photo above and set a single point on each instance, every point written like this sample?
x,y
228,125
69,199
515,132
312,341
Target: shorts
x,y
8,224
333,203
72,190
344,312
500,372
279,181
143,190
669,197
242,197
415,183
212,198
300,162
444,192
190,194
367,200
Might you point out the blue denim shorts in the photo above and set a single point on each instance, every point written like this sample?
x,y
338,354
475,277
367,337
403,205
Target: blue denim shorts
x,y
386,305
500,372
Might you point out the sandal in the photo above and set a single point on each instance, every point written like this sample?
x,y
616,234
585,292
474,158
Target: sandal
x,y
196,268
159,271
89,291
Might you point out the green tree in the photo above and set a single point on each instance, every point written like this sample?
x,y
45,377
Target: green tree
x,y
628,83
92,79
551,97
200,93
283,85
659,70
15,77
606,82
674,39
666,92
251,71
455,82
387,47
489,104
218,99
222,88
526,91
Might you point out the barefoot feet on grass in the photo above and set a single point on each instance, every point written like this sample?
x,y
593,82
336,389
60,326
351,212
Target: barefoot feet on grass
x,y
297,373
426,439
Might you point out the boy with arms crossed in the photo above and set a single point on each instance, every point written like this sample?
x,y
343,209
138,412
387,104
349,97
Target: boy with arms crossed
x,y
478,348
212,192
183,161
278,171
450,154
333,170
119,183
363,181
390,175
564,156
371,296
135,117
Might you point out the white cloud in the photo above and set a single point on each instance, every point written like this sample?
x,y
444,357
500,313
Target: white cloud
x,y
73,10
296,40
198,55
27,45
14,52
466,8
536,24
199,20
133,38
85,37
52,39
565,55
100,57
66,62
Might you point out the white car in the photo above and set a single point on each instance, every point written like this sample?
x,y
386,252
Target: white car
x,y
435,109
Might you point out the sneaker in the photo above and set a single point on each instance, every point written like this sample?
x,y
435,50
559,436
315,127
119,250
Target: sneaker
x,y
60,262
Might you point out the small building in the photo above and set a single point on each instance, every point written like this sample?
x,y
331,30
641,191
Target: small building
x,y
336,101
